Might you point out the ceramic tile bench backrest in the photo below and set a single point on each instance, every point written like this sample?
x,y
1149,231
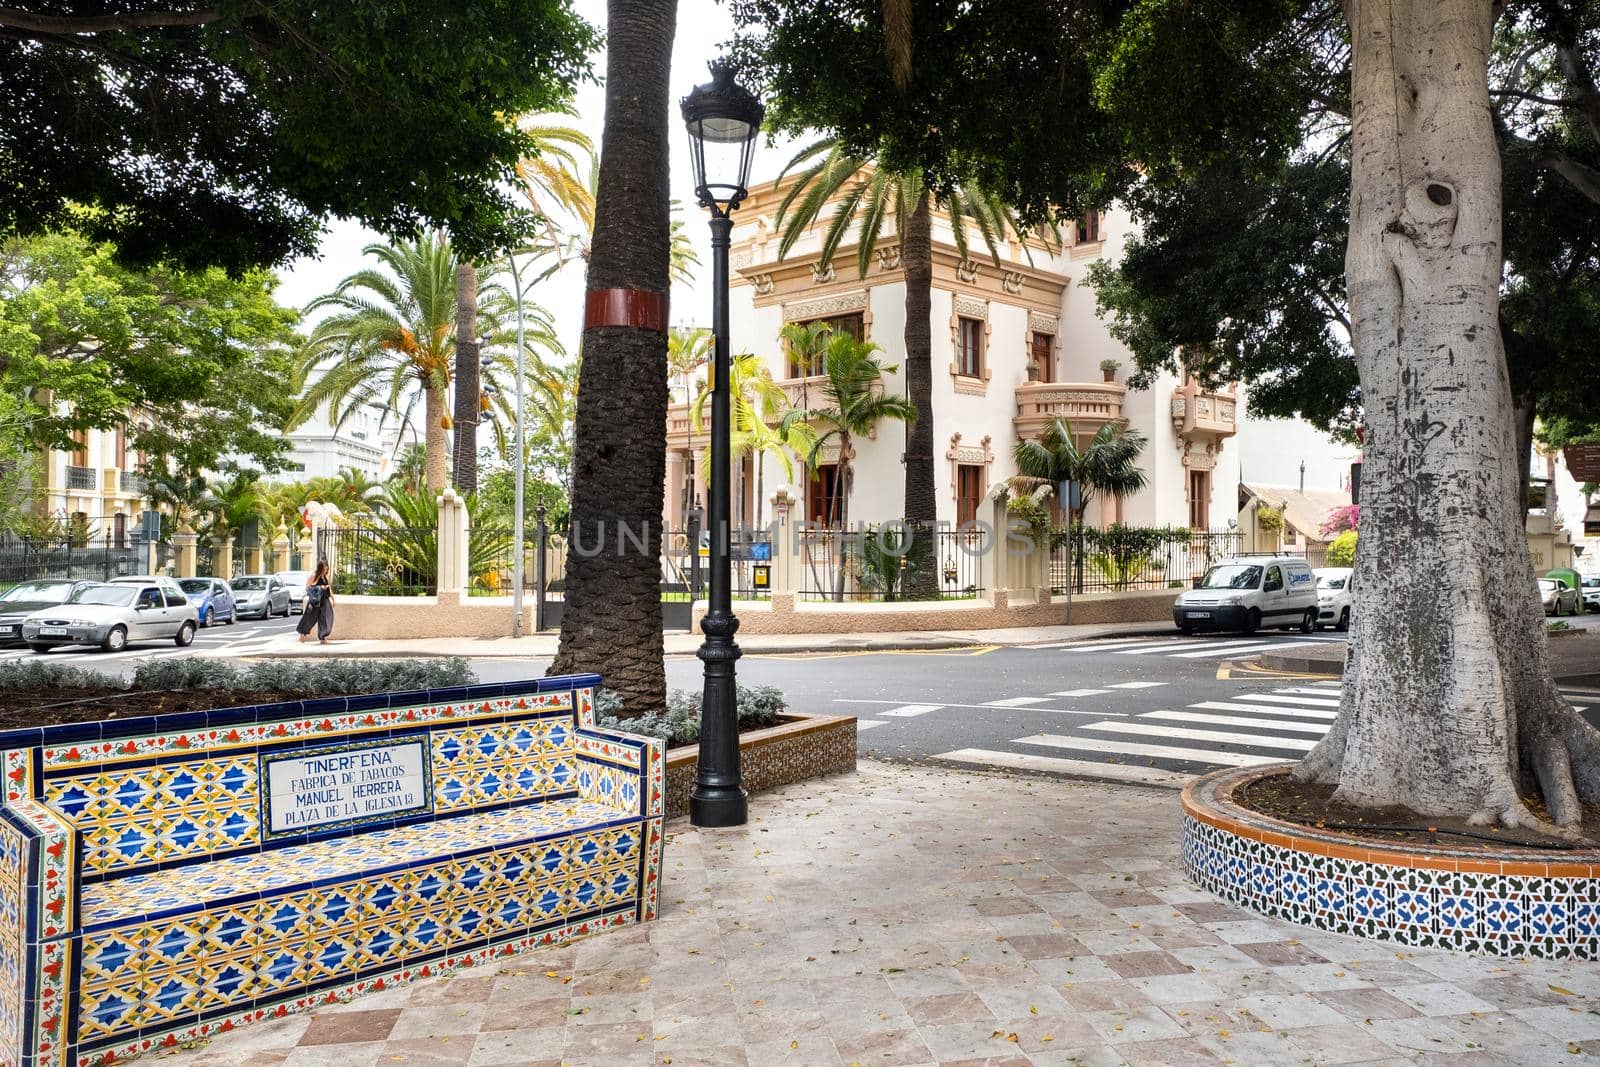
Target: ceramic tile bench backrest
x,y
161,878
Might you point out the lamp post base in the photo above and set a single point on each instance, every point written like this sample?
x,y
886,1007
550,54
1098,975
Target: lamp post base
x,y
718,806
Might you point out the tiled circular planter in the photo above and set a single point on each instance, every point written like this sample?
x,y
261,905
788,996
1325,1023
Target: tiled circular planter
x,y
1507,902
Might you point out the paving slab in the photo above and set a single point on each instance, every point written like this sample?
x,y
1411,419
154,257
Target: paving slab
x,y
909,915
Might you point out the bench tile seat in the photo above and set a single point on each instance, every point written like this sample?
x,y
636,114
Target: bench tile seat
x,y
199,885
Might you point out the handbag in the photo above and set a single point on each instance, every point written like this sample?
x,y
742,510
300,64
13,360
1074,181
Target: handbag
x,y
314,596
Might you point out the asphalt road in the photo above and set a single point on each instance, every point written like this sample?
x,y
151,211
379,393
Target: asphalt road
x,y
1151,710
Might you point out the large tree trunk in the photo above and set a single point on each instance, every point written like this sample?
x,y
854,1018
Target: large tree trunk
x,y
434,445
612,621
468,404
921,500
1448,705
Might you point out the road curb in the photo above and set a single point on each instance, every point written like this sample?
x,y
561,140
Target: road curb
x,y
1302,664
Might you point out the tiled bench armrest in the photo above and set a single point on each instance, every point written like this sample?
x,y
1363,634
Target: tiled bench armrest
x,y
38,906
624,770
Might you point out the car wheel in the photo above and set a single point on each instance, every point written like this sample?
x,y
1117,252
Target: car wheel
x,y
116,640
185,635
41,649
1309,623
1344,620
233,617
203,615
1252,622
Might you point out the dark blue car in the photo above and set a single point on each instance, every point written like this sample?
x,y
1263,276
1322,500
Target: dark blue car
x,y
212,598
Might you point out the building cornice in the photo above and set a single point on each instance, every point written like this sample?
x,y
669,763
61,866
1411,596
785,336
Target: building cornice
x,y
803,279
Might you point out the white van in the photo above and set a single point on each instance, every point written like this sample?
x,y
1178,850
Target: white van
x,y
1248,592
1335,597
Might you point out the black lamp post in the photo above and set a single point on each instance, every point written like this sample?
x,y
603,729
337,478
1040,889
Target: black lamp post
x,y
723,121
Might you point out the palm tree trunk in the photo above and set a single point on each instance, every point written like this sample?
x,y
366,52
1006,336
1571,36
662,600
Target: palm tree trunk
x,y
612,621
921,580
433,440
467,379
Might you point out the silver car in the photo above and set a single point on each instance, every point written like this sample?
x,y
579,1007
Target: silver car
x,y
1558,598
260,596
113,614
296,581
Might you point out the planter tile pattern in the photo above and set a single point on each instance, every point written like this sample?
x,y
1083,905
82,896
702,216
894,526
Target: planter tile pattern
x,y
143,902
806,746
1530,906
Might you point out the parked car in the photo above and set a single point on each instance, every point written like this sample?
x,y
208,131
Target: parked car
x,y
213,599
1248,592
260,596
1335,596
296,581
113,614
1591,592
25,598
1558,599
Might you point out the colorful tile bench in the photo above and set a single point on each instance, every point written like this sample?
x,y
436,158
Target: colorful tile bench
x,y
164,878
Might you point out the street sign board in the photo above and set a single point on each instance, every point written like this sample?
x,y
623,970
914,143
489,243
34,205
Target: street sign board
x,y
762,577
1583,462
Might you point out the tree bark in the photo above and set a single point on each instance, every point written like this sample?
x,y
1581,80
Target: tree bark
x,y
468,380
921,501
434,445
1448,706
612,621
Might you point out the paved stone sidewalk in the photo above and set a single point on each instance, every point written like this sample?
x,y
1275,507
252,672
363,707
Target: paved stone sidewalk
x,y
913,916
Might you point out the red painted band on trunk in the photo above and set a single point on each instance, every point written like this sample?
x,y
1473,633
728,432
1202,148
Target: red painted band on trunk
x,y
625,307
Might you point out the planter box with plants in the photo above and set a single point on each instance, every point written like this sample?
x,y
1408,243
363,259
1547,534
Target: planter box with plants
x,y
166,876
777,746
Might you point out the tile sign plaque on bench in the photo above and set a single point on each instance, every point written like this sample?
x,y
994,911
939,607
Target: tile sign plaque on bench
x,y
344,785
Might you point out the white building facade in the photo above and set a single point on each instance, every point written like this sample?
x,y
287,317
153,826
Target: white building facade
x,y
1015,345
364,442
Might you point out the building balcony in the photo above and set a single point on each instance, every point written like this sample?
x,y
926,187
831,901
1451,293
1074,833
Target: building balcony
x,y
133,484
679,426
1198,415
1085,406
82,478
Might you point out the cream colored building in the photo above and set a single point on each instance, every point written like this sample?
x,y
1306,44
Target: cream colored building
x,y
1015,345
95,484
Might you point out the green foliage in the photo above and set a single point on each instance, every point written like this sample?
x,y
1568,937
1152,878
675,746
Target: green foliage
x,y
399,555
1035,515
1269,518
35,674
228,135
295,678
200,361
1122,554
1342,550
679,724
880,558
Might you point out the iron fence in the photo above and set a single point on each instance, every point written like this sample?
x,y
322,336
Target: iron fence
x,y
381,560
882,562
1121,558
23,560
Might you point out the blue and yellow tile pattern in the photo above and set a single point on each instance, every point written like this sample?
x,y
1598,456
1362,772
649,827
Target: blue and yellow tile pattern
x,y
168,913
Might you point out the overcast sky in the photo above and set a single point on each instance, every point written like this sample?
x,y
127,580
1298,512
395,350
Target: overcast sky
x,y
703,27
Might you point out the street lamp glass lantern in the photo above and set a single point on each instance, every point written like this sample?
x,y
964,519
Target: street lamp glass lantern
x,y
723,119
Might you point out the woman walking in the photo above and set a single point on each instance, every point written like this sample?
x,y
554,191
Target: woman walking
x,y
319,606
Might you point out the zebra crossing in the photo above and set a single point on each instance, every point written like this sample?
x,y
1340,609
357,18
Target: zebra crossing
x,y
216,641
1169,747
1210,647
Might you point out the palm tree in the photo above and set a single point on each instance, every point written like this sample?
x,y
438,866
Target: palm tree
x,y
411,468
612,621
758,405
392,340
866,195
464,450
240,497
856,403
186,494
1107,464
